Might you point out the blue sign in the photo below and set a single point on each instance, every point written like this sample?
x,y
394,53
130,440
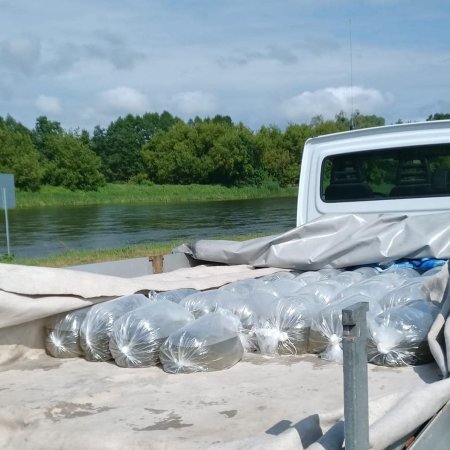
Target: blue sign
x,y
7,191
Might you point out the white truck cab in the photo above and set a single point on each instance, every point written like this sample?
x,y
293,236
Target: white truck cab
x,y
392,169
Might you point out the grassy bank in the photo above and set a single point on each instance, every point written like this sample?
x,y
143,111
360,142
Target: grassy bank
x,y
135,194
76,257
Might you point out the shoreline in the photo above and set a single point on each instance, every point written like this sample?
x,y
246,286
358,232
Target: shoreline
x,y
78,257
149,194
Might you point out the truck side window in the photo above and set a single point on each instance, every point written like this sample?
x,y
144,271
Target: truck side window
x,y
406,172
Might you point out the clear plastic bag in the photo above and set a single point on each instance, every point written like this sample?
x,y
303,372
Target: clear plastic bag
x,y
403,272
398,336
248,308
246,332
97,326
309,277
174,296
284,328
62,334
367,272
282,287
329,273
348,278
243,287
373,288
432,271
258,302
204,302
283,275
325,336
207,344
323,291
241,307
137,335
412,289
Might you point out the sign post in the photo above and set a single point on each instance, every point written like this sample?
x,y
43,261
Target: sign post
x,y
7,201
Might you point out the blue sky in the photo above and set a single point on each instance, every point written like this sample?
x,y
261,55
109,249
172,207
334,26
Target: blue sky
x,y
84,63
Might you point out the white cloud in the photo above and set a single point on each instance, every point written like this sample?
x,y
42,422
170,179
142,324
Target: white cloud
x,y
194,103
330,101
21,52
111,47
123,99
281,54
272,69
47,104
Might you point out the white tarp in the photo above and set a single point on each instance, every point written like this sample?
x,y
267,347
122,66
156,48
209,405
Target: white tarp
x,y
28,293
48,403
336,241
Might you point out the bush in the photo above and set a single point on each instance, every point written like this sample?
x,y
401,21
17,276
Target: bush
x,y
19,157
72,164
141,179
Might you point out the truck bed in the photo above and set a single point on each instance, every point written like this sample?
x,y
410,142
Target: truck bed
x,y
50,403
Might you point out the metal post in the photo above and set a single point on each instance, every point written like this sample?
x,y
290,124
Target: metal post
x,y
6,221
356,409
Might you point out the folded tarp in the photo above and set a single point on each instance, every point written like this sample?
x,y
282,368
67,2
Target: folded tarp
x,y
336,241
29,293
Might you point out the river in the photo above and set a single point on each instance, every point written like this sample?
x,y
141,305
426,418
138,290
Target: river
x,y
36,232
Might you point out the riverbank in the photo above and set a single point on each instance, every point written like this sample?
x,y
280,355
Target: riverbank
x,y
147,194
77,257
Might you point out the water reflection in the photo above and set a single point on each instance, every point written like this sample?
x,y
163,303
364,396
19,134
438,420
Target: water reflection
x,y
43,231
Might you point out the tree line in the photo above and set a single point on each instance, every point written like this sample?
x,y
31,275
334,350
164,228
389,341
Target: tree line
x,y
162,149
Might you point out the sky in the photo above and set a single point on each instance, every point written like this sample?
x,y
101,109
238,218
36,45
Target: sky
x,y
86,62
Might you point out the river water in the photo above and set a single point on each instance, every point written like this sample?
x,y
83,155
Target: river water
x,y
44,231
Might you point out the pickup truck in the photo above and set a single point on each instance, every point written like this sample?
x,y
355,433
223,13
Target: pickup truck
x,y
393,169
280,402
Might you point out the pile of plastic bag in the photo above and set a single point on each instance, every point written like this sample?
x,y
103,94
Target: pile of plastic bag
x,y
286,313
399,318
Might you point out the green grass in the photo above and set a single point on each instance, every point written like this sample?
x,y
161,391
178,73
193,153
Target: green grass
x,y
141,194
77,257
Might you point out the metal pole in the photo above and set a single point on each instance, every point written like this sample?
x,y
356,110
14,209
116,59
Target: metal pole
x,y
356,409
6,221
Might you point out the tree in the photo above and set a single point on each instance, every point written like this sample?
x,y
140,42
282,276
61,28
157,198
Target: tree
x,y
175,156
119,146
18,155
438,116
281,152
43,129
294,140
367,121
341,122
11,124
222,119
321,127
203,151
71,163
275,159
235,157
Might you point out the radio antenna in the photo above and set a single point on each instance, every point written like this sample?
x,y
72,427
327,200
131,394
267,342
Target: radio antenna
x,y
351,72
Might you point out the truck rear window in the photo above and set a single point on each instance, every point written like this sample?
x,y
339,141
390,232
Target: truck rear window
x,y
406,172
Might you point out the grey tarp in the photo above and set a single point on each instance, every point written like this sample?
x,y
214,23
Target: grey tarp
x,y
336,241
